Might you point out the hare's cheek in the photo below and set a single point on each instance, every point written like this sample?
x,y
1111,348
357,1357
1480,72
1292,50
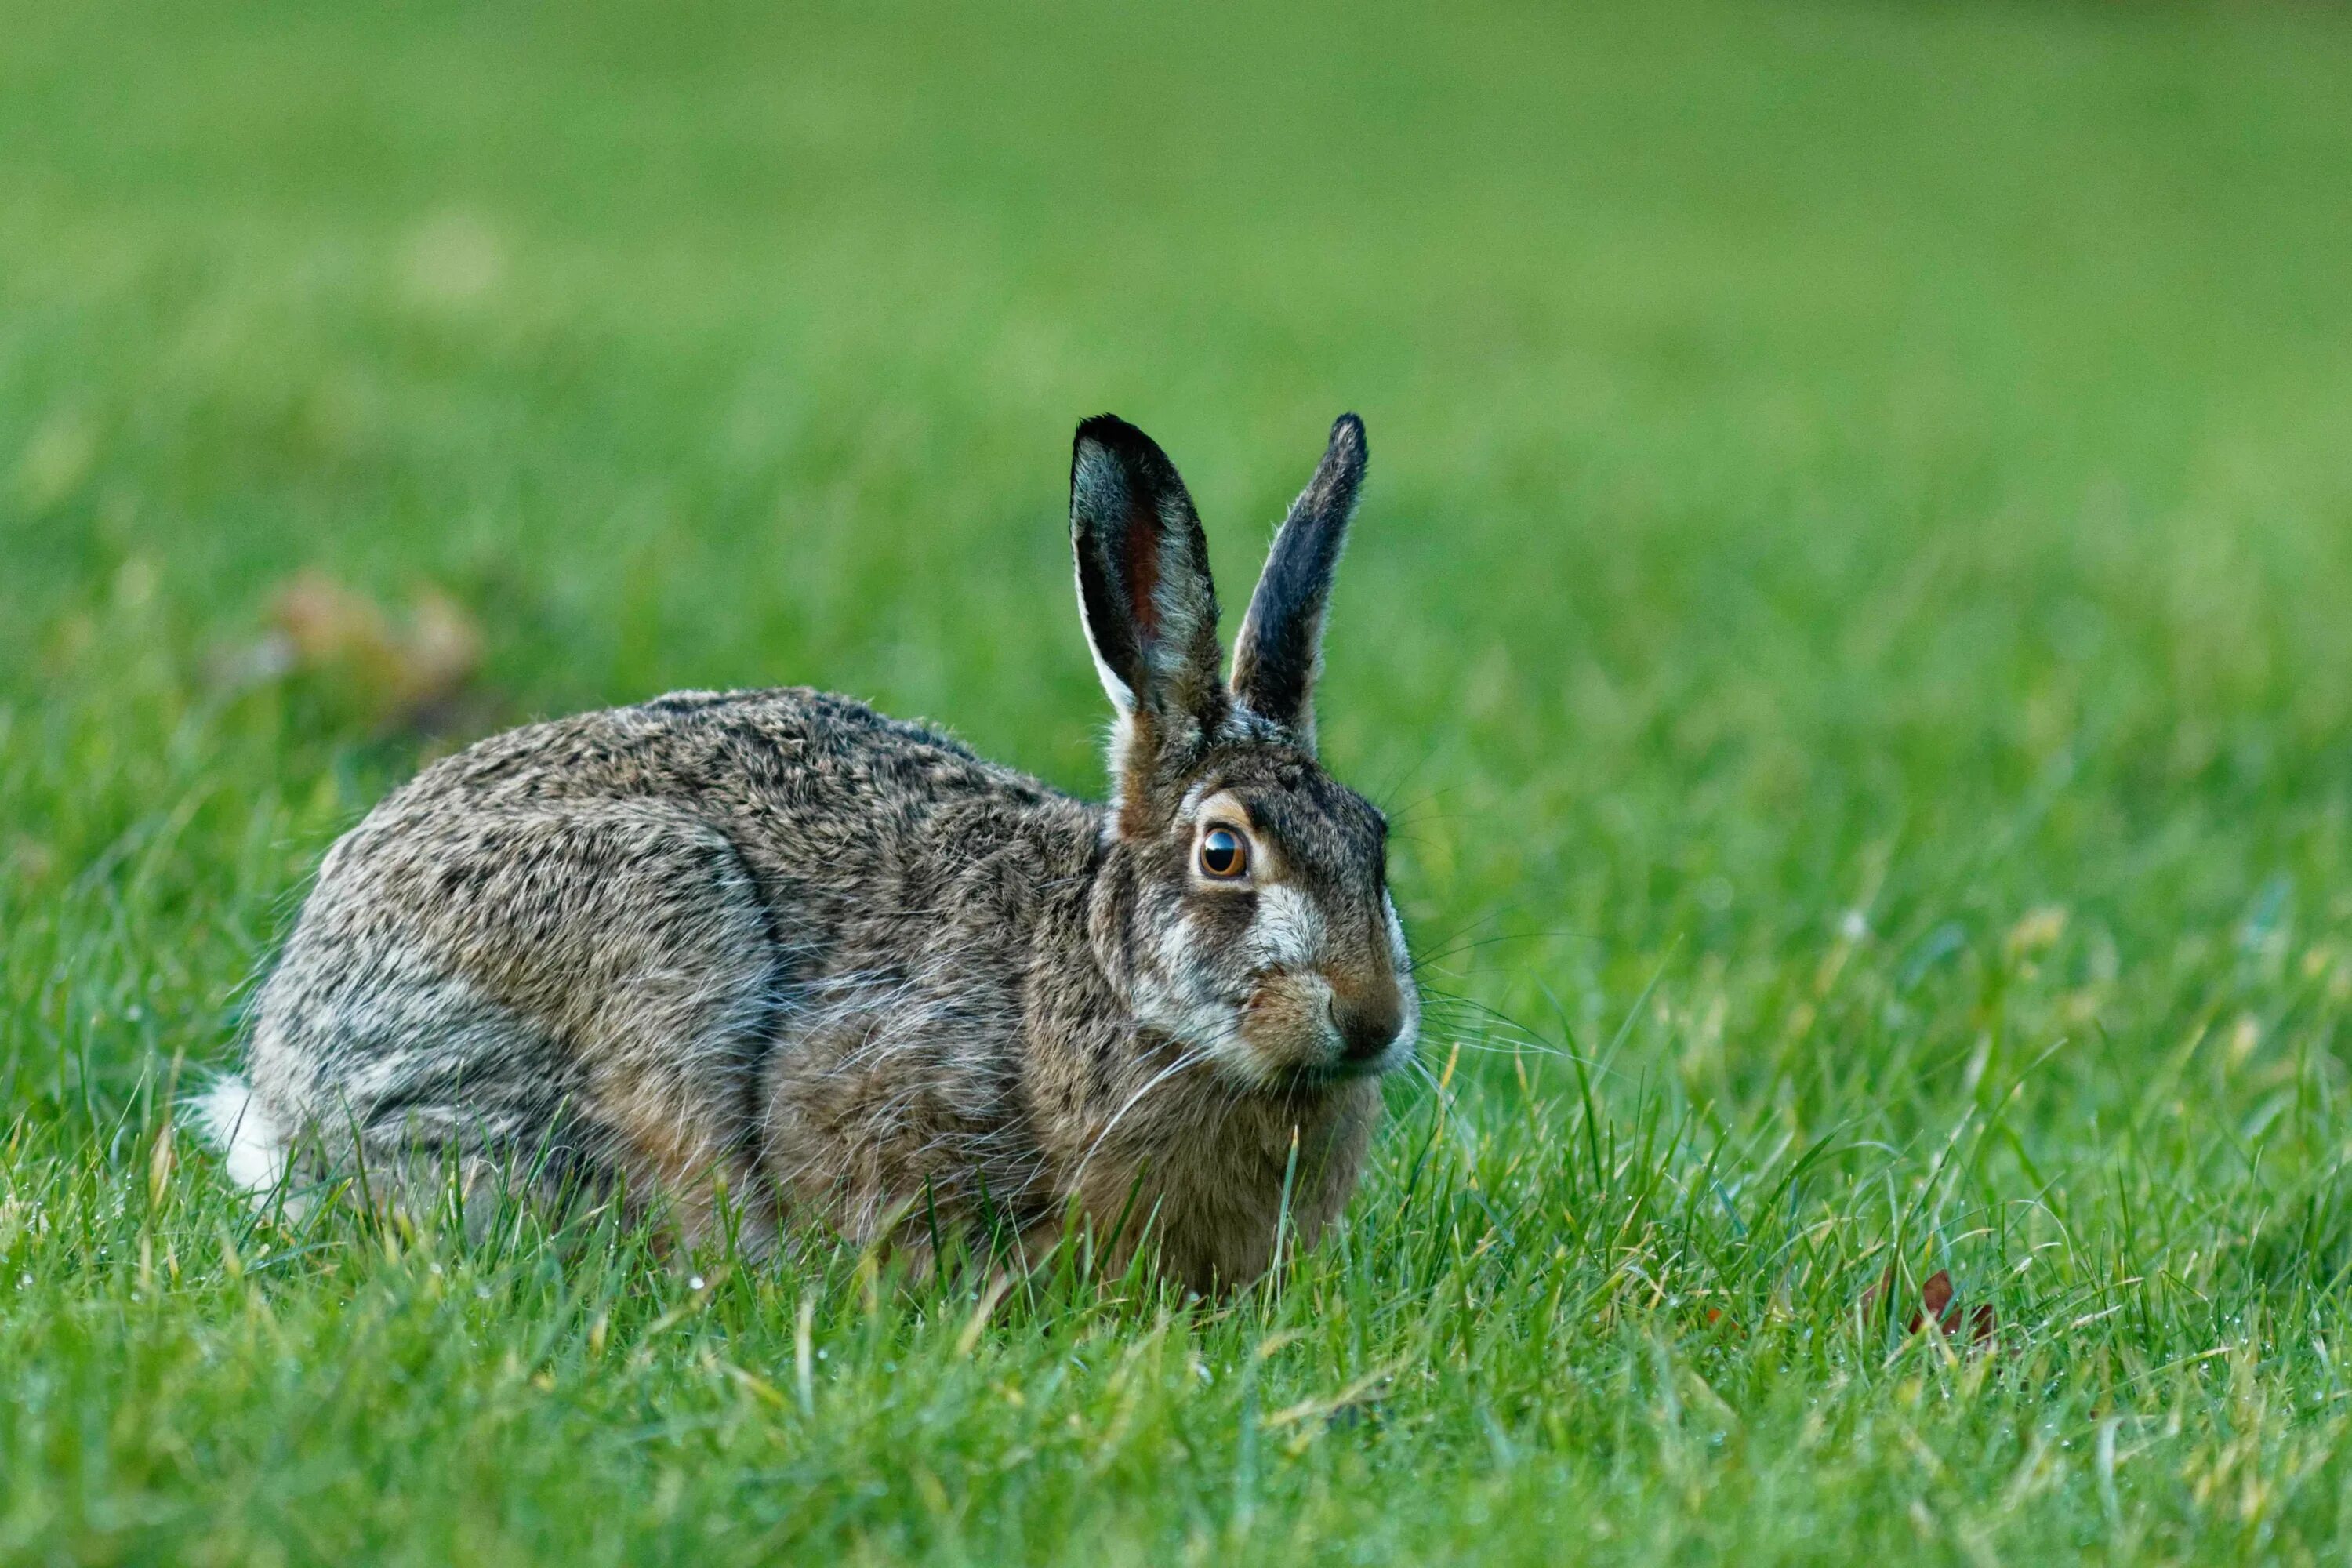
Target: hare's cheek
x,y
1206,1026
1178,992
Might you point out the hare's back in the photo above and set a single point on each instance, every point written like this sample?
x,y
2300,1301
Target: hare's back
x,y
585,935
723,748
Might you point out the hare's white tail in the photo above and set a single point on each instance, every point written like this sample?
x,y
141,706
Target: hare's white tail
x,y
252,1144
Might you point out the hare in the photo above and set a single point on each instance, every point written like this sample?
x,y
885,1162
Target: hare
x,y
775,945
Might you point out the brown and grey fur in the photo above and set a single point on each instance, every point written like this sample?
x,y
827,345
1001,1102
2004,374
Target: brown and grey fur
x,y
850,970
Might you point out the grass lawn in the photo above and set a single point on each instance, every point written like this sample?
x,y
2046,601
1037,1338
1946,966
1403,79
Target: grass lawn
x,y
1852,617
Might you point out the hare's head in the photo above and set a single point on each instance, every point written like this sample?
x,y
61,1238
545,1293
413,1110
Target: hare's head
x,y
1244,902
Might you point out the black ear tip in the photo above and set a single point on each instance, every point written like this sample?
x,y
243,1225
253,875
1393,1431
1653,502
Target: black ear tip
x,y
1116,435
1132,453
1347,438
1109,430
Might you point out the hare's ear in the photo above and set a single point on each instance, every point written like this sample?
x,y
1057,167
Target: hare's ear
x,y
1280,650
1143,587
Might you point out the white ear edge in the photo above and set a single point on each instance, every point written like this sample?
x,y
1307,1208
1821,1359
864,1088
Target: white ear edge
x,y
1123,700
1121,696
1097,472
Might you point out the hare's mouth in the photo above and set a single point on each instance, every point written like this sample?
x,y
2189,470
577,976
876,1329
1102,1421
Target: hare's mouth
x,y
1316,1078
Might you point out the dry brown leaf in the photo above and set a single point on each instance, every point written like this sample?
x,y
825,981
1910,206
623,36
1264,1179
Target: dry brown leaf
x,y
400,671
1937,1306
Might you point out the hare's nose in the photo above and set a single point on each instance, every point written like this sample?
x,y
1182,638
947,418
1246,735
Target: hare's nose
x,y
1368,1024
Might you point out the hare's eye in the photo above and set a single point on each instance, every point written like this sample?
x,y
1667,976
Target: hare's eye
x,y
1225,854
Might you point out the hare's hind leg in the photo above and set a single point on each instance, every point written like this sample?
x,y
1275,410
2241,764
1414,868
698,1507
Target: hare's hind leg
x,y
585,989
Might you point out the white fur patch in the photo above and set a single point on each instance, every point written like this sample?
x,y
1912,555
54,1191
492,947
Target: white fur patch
x,y
1409,1035
1287,933
252,1145
1117,745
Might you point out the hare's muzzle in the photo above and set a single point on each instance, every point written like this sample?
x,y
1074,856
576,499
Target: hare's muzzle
x,y
1303,1023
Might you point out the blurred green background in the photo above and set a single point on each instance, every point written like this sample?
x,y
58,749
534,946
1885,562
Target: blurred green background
x,y
1854,597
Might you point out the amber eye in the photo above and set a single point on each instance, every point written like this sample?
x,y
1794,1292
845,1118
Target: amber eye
x,y
1225,854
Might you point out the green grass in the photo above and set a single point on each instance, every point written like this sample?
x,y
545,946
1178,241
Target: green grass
x,y
1854,617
